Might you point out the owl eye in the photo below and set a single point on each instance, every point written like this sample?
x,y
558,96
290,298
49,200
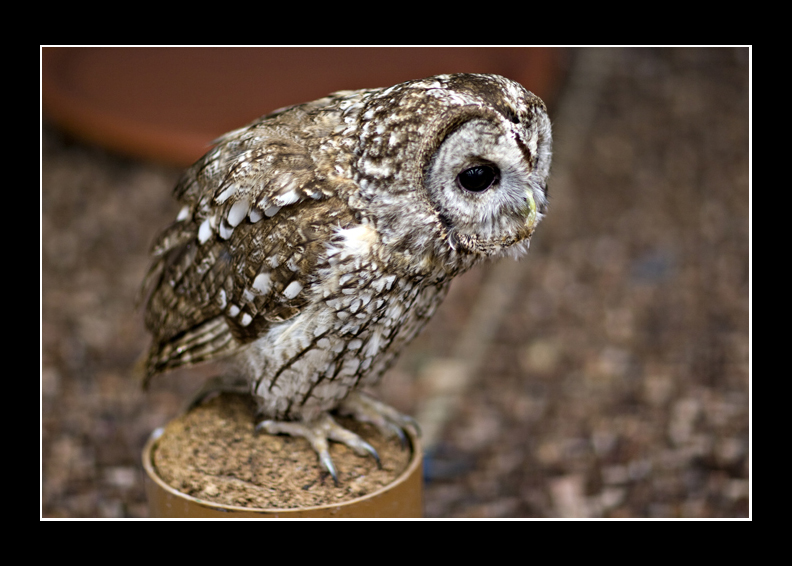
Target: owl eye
x,y
478,178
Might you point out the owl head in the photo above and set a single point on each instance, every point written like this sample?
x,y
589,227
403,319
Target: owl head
x,y
473,154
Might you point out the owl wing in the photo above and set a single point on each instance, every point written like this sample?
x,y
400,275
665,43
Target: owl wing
x,y
242,255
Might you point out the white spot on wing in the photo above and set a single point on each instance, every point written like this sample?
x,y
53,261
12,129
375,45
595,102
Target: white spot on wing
x,y
225,231
262,283
238,212
204,231
292,290
255,215
227,192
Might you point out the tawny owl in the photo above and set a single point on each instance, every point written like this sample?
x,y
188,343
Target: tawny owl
x,y
314,243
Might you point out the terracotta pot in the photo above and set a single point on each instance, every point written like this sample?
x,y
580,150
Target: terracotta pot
x,y
401,499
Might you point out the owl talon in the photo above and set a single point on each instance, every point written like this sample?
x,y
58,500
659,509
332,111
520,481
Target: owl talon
x,y
327,464
398,432
388,420
317,433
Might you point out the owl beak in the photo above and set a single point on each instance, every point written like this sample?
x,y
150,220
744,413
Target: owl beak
x,y
531,216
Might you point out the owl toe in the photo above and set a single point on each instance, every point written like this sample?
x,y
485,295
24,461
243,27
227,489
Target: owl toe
x,y
388,420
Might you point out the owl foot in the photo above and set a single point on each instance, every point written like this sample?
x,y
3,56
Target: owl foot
x,y
318,432
388,420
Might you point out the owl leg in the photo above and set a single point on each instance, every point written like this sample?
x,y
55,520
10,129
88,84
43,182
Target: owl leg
x,y
388,420
318,432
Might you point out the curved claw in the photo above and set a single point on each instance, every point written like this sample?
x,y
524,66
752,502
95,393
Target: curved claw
x,y
399,432
370,449
327,464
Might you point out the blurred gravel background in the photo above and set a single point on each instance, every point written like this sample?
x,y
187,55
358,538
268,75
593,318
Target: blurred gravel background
x,y
605,375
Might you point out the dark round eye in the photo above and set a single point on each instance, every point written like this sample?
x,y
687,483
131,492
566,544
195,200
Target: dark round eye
x,y
478,178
